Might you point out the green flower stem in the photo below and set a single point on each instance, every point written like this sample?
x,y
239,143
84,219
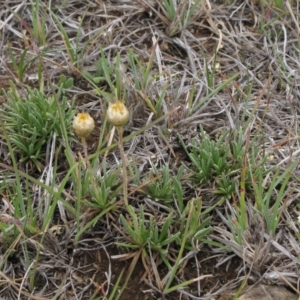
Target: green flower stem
x,y
84,144
123,156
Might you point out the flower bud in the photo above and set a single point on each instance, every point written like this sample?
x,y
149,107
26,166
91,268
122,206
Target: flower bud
x,y
83,125
117,114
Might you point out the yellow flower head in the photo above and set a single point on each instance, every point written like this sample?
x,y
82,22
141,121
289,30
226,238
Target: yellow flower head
x,y
117,114
83,125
